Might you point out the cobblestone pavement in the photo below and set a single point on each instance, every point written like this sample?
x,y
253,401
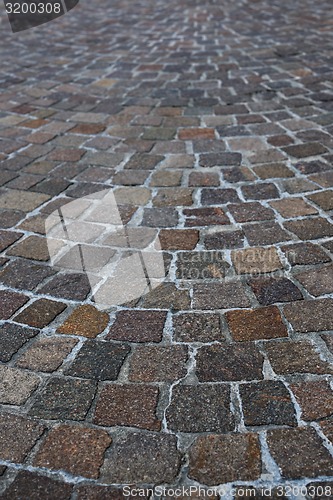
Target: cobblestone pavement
x,y
214,121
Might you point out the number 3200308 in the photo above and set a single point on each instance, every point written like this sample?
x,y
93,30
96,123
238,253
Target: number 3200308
x,y
33,8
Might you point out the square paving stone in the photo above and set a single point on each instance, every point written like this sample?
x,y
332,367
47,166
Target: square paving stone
x,y
138,457
7,238
206,216
235,362
324,199
271,290
18,436
291,357
201,265
66,399
293,207
219,459
12,338
22,200
310,315
10,218
310,229
99,360
210,403
256,324
256,260
40,313
261,191
224,240
138,326
10,302
16,386
77,450
219,296
158,364
33,247
315,398
317,281
86,321
74,286
159,217
218,196
195,327
131,405
24,275
251,212
167,296
31,485
173,197
299,453
267,403
178,239
265,233
305,253
46,354
306,149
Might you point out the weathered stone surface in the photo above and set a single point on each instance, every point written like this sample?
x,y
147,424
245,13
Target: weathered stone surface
x,y
167,296
18,436
256,324
271,290
219,296
86,321
138,326
178,239
310,315
256,260
10,302
158,364
16,385
31,485
195,327
12,338
46,354
40,313
315,398
317,281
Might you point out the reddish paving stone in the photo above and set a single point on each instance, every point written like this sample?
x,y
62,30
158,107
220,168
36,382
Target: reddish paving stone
x,y
138,326
77,450
267,403
256,324
272,171
219,459
208,216
256,260
197,179
271,290
262,191
33,247
158,364
189,134
219,296
315,398
46,354
7,238
18,436
299,453
24,275
305,253
40,313
22,200
293,207
324,199
235,362
132,405
86,321
291,357
195,327
66,155
173,197
317,281
88,128
250,212
209,402
224,240
304,150
12,338
139,457
310,229
310,315
31,485
265,233
99,360
218,196
10,302
64,398
178,239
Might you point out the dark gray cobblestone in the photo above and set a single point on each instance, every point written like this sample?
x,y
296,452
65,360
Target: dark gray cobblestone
x,y
214,121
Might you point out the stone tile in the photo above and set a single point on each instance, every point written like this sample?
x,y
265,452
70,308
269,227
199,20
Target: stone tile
x,y
189,134
305,253
16,385
142,458
293,207
40,313
24,275
86,321
159,217
305,150
324,199
238,174
130,177
198,265
131,405
65,399
267,403
224,240
310,315
208,216
298,185
10,302
262,191
218,196
99,360
310,229
256,260
209,402
12,338
272,171
198,179
291,357
235,362
195,327
138,326
21,200
299,453
256,324
73,286
317,281
32,247
77,450
10,218
315,398
172,197
219,459
219,296
220,159
167,296
178,239
265,233
88,128
29,484
250,212
271,290
143,161
18,436
166,178
46,354
158,364
7,238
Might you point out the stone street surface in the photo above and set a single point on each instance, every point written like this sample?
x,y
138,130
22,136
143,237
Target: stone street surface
x,y
212,123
